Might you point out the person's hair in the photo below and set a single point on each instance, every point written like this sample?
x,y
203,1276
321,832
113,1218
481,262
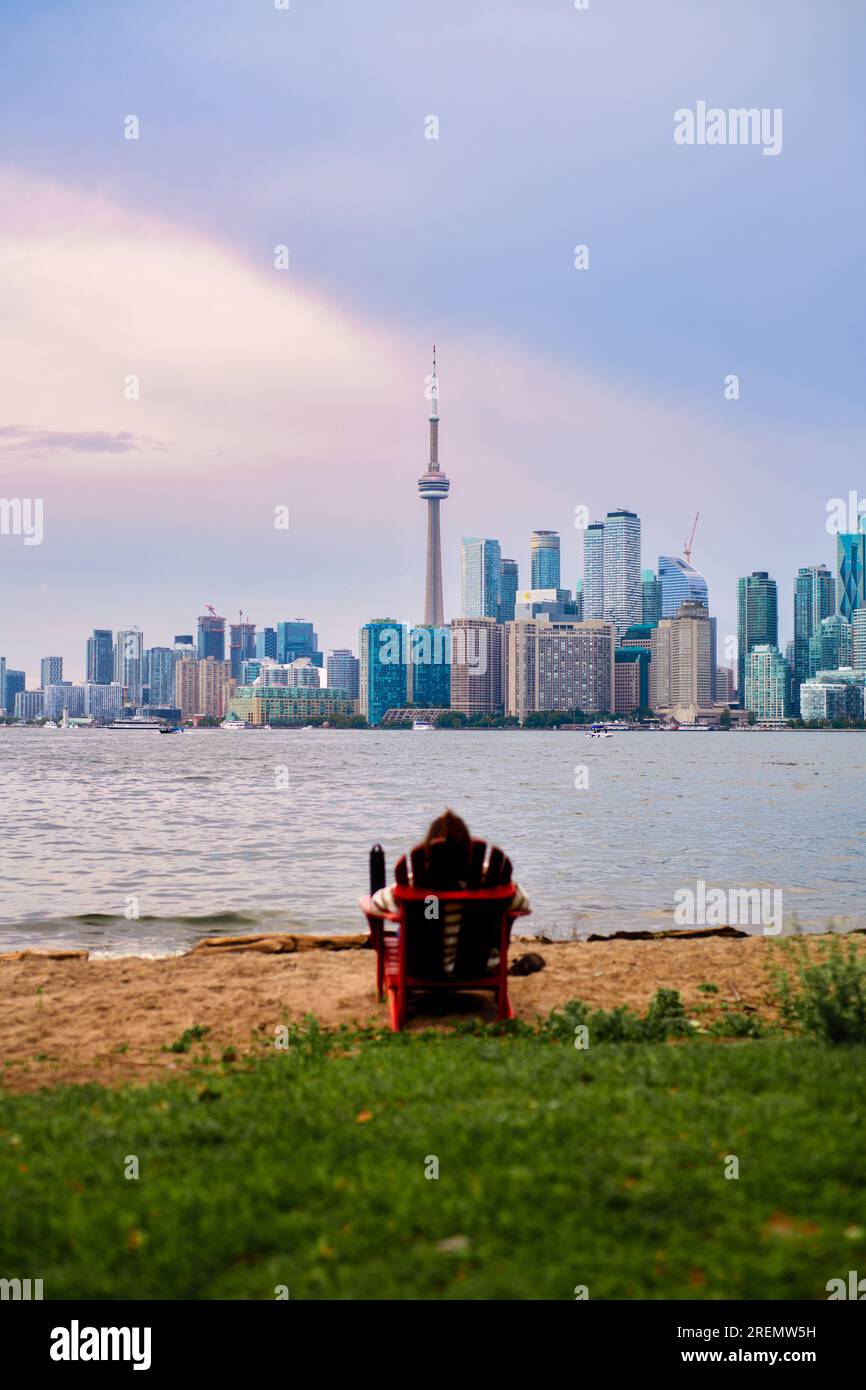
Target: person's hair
x,y
448,826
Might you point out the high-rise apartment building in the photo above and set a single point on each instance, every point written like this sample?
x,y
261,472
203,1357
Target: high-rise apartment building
x,y
242,644
814,600
266,644
102,702
680,583
50,670
831,646
593,571
858,639
508,577
757,619
623,595
99,661
129,663
11,685
544,560
768,684
211,637
429,674
724,685
833,695
476,665
480,576
682,661
159,663
552,665
215,687
382,668
851,573
631,674
28,705
342,672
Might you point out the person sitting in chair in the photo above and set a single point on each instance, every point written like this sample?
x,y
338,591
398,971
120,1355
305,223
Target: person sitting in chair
x,y
450,835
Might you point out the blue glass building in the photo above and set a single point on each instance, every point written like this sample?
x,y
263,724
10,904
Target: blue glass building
x,y
296,640
544,559
383,668
430,655
850,573
680,583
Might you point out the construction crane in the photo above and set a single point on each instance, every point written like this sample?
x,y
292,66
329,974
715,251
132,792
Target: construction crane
x,y
210,608
687,548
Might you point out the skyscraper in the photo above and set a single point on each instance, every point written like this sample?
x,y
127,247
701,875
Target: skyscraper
x,y
266,643
757,619
296,639
623,596
430,666
433,489
544,560
382,663
242,644
858,639
343,672
682,666
507,590
50,671
768,683
651,597
159,675
129,663
814,599
552,665
13,684
680,583
480,569
99,665
851,573
211,636
476,665
831,645
593,571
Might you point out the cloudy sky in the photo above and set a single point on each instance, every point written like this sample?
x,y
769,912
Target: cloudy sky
x,y
304,387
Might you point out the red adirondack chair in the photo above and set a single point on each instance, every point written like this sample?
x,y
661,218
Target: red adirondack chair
x,y
441,937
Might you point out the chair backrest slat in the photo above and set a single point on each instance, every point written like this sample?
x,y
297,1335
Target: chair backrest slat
x,y
401,872
494,868
477,851
418,858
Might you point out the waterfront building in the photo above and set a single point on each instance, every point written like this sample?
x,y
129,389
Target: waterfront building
x,y
215,687
2,684
129,663
297,639
814,600
550,665
103,702
343,672
159,663
631,679
544,559
429,674
682,660
831,646
266,643
28,705
476,665
651,597
285,704
680,583
99,659
556,604
836,694
242,644
382,671
507,590
50,670
724,685
433,490
858,639
186,686
480,573
593,571
13,684
623,595
768,684
757,619
850,573
60,696
302,672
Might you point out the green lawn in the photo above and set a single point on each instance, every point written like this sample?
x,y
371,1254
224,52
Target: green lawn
x,y
557,1167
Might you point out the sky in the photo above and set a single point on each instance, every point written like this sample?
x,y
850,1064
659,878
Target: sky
x,y
164,386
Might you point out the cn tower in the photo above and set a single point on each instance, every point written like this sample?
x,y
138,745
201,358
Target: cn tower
x,y
432,489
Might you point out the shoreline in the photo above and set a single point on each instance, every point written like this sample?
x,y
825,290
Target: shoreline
x,y
71,1019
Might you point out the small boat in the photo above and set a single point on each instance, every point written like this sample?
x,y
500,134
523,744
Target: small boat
x,y
170,729
598,731
50,724
421,725
233,723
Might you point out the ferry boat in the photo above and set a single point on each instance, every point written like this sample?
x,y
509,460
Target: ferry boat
x,y
143,721
232,723
421,725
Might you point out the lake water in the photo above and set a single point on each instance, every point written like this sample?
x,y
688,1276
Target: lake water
x,y
198,833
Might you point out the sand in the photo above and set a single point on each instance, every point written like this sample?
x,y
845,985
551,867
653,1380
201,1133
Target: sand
x,y
109,1021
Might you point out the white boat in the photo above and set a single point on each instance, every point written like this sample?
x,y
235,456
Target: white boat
x,y
50,724
598,731
232,723
421,725
137,722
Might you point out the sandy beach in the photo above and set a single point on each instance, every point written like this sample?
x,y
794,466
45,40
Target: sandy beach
x,y
111,1020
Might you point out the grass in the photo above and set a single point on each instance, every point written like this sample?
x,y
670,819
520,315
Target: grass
x,y
557,1167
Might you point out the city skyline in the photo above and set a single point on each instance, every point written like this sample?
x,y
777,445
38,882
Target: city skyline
x,y
303,386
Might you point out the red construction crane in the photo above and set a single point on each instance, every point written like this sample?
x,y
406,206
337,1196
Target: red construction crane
x,y
687,549
211,610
